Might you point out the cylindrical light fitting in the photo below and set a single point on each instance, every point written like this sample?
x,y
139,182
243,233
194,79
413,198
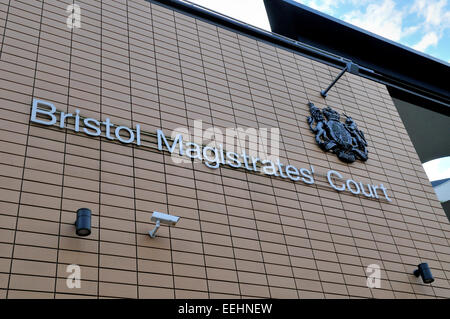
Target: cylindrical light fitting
x,y
423,270
83,222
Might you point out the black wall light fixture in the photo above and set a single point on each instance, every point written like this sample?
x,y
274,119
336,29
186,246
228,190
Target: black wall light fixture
x,y
83,222
423,270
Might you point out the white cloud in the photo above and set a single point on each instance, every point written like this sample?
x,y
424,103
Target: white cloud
x,y
436,21
427,40
410,30
329,6
380,18
326,6
433,11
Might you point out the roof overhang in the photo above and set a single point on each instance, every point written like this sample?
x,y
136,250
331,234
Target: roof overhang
x,y
399,65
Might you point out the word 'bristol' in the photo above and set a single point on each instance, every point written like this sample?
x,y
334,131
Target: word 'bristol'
x,y
91,127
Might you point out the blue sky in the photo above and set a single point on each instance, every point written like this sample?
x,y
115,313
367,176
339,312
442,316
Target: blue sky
x,y
423,25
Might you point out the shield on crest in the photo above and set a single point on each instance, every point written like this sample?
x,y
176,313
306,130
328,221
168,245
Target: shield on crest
x,y
339,134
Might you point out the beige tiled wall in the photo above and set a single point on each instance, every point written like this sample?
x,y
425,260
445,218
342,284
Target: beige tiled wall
x,y
240,233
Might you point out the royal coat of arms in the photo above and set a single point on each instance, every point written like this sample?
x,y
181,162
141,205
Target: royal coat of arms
x,y
343,139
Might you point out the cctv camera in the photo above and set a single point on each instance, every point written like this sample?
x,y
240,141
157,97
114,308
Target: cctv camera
x,y
161,218
165,218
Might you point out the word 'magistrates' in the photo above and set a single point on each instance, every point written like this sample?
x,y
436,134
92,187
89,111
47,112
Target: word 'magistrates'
x,y
45,113
213,157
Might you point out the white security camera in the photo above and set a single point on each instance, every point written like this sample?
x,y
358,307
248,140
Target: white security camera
x,y
161,218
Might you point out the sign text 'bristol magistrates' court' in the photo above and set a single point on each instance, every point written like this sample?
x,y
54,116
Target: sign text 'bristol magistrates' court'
x,y
45,113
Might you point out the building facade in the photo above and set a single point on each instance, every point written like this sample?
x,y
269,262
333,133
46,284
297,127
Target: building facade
x,y
242,233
